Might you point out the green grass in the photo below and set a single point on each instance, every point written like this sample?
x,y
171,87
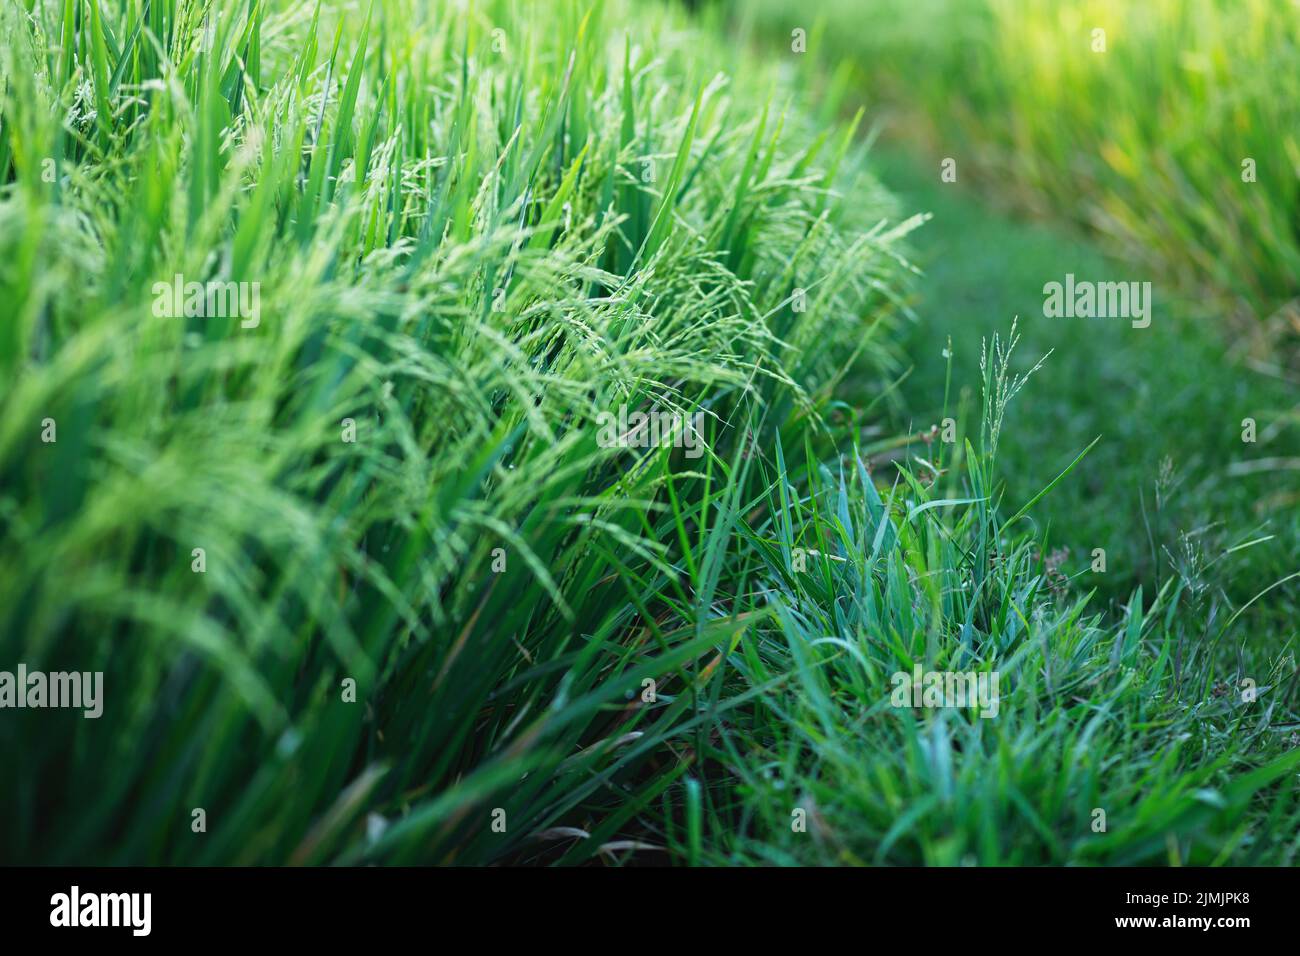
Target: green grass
x,y
1166,401
476,229
469,244
1137,717
1129,702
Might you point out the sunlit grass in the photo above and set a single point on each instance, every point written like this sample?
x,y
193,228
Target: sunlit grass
x,y
475,228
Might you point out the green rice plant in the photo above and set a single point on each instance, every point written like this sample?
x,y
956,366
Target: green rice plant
x,y
363,581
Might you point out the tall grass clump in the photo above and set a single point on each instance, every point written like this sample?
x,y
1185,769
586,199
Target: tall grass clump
x,y
364,583
1155,737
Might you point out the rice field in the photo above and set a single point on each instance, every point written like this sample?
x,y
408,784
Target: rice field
x,y
558,433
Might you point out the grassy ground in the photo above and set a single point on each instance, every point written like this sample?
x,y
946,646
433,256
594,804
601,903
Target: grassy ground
x,y
1179,502
1171,469
1122,704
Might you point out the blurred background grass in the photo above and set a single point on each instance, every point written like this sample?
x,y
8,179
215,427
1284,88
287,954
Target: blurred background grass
x,y
1138,133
